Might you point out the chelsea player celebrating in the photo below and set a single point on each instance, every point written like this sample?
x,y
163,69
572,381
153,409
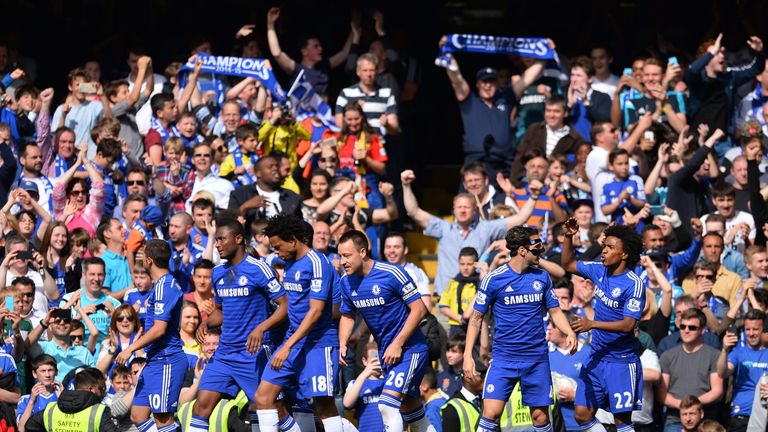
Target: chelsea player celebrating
x,y
391,306
159,385
243,288
519,294
309,356
613,376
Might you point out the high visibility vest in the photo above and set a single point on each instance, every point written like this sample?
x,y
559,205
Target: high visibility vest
x,y
219,420
87,420
516,416
468,414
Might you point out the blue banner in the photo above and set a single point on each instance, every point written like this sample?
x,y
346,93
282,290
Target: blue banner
x,y
534,47
239,66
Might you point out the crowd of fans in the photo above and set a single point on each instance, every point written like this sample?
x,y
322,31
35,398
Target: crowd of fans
x,y
674,147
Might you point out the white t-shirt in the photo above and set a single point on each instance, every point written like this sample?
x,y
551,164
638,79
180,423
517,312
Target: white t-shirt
x,y
419,278
599,176
607,86
274,201
739,217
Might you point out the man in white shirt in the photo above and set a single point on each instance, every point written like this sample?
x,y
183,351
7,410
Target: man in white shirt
x,y
395,250
205,180
603,81
605,138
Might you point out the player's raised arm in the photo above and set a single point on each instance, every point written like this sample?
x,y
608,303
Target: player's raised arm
x,y
568,260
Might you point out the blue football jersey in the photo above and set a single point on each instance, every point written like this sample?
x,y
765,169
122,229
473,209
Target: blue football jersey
x,y
311,277
244,292
136,297
519,302
382,297
165,304
616,296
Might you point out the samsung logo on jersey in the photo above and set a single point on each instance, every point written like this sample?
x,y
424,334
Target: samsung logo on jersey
x,y
291,286
233,292
523,298
370,399
376,301
608,302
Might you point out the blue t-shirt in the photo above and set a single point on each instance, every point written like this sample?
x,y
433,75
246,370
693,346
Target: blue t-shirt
x,y
749,367
520,302
165,304
382,297
136,297
244,292
569,366
41,402
367,405
101,318
611,191
616,296
311,278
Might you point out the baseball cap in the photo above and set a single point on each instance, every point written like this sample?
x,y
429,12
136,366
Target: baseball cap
x,y
486,74
29,186
152,214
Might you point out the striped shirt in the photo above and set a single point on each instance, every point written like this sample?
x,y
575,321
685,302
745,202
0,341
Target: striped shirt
x,y
381,101
543,206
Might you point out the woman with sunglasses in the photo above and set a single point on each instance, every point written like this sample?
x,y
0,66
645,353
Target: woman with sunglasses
x,y
71,203
124,328
319,191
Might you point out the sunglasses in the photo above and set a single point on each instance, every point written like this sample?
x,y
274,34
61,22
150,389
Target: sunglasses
x,y
79,336
122,318
328,160
28,294
135,183
202,155
77,192
710,277
689,327
221,149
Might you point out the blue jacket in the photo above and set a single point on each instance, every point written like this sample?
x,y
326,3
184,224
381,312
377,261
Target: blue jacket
x,y
734,262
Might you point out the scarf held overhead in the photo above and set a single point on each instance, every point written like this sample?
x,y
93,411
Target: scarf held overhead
x,y
534,47
239,66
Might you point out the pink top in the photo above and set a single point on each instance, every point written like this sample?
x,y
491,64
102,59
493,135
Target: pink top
x,y
88,218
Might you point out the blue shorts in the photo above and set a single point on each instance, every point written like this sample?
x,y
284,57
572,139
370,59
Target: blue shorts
x,y
160,382
314,368
405,377
534,377
232,372
615,387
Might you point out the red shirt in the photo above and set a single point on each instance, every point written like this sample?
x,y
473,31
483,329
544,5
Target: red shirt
x,y
376,151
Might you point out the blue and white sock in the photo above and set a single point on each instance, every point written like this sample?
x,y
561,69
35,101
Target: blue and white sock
x,y
592,426
418,421
546,428
147,425
487,425
389,407
198,424
625,428
288,424
173,427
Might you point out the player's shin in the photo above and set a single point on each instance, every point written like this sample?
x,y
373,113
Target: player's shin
x,y
389,406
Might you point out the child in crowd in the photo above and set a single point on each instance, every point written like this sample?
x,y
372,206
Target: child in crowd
x,y
450,380
239,165
174,173
626,191
433,399
138,296
362,393
458,296
739,225
44,391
